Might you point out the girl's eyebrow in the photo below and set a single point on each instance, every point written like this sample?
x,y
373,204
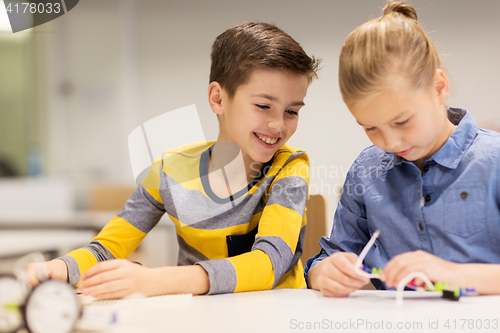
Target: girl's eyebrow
x,y
393,119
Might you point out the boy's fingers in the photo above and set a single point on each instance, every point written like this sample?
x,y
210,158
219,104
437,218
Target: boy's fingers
x,y
103,289
32,273
113,294
32,279
100,278
101,267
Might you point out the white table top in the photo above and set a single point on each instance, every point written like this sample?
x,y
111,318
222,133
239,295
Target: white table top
x,y
296,310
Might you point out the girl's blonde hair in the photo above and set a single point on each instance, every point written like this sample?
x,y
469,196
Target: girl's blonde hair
x,y
392,43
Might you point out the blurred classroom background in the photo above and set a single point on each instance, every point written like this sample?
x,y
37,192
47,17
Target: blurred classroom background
x,y
72,90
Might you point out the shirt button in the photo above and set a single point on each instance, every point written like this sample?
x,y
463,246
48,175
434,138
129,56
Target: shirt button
x,y
426,168
463,195
427,198
421,226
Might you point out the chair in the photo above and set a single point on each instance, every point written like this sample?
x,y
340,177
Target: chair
x,y
316,225
109,197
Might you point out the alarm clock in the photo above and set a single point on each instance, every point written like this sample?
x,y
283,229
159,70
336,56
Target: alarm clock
x,y
50,307
12,295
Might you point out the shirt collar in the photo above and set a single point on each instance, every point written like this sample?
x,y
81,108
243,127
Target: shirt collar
x,y
451,153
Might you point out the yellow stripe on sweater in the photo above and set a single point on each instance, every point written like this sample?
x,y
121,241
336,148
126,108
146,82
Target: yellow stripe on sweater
x,y
84,258
282,222
254,271
120,237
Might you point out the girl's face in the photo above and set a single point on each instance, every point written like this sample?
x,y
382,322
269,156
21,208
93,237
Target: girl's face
x,y
412,123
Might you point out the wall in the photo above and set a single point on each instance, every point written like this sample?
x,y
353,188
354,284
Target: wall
x,y
111,65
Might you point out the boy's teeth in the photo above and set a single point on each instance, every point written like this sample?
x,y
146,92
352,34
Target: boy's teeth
x,y
268,140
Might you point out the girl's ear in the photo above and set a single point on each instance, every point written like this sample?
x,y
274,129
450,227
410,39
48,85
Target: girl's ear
x,y
215,92
441,86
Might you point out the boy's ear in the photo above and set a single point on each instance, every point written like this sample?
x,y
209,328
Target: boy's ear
x,y
441,85
215,93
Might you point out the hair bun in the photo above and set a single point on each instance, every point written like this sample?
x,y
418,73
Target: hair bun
x,y
401,8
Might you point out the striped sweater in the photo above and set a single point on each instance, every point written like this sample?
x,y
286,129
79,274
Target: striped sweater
x,y
250,241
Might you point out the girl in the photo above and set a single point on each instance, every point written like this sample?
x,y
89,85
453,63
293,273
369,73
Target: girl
x,y
431,181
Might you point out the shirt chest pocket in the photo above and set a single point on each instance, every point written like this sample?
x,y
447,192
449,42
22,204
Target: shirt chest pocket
x,y
464,212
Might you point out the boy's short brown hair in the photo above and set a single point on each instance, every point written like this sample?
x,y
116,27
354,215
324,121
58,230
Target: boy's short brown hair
x,y
250,45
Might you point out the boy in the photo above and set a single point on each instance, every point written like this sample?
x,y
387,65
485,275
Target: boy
x,y
238,204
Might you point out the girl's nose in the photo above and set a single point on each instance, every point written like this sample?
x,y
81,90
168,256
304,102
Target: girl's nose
x,y
391,141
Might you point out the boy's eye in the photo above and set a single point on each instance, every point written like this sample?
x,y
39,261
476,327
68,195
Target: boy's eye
x,y
292,112
367,129
264,107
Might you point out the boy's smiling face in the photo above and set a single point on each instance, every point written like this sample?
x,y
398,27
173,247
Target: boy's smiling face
x,y
263,113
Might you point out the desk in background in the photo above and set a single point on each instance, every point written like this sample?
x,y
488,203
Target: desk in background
x,y
17,243
20,242
159,248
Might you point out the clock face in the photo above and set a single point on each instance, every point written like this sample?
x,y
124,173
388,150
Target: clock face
x,y
11,298
52,307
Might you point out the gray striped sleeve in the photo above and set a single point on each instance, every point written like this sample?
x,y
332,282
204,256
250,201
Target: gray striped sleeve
x,y
73,270
289,192
142,210
99,251
221,274
278,251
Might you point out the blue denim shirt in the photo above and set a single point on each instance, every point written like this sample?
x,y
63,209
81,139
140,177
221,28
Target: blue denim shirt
x,y
451,209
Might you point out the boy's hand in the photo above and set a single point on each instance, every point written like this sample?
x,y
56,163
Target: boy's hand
x,y
115,279
435,268
55,269
335,276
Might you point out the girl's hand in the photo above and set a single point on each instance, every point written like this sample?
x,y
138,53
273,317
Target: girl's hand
x,y
335,276
435,268
115,279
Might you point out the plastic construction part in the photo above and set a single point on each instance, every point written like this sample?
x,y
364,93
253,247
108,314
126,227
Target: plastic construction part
x,y
406,280
466,292
359,263
457,292
470,292
451,295
372,270
440,286
409,280
423,286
